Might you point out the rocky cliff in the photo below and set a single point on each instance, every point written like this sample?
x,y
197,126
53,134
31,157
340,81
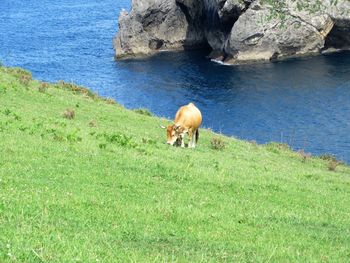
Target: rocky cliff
x,y
236,31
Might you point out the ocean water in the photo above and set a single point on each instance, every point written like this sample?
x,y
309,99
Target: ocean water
x,y
302,102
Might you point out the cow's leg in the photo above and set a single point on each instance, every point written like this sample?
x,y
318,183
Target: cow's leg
x,y
189,139
182,141
194,139
190,136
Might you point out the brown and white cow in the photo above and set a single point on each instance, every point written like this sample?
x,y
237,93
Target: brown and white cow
x,y
187,121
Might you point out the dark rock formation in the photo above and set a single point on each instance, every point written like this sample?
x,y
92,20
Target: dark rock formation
x,y
259,36
154,25
238,31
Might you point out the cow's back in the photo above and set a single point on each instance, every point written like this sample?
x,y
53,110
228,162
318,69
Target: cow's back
x,y
189,116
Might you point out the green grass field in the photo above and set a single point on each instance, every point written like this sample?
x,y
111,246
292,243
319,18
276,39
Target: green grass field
x,y
103,186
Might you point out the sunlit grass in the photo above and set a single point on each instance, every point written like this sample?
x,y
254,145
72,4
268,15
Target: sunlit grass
x,y
104,187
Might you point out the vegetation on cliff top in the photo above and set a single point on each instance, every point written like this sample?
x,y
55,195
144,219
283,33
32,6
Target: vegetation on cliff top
x,y
279,9
84,180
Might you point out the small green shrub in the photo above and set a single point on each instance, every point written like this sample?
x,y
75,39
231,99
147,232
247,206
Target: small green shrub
x,y
7,111
217,143
74,137
102,146
145,112
16,117
119,139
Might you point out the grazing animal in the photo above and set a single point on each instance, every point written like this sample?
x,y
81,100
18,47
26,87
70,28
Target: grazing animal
x,y
187,121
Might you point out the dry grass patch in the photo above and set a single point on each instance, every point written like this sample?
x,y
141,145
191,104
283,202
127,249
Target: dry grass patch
x,y
218,143
332,165
69,114
43,87
304,156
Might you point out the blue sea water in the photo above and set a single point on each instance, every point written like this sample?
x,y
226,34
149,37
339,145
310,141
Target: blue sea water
x,y
303,102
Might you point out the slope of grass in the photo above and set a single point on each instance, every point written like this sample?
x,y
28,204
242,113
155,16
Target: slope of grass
x,y
102,186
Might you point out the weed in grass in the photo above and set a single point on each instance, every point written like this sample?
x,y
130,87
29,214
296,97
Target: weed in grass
x,y
92,123
332,161
25,80
76,89
74,137
144,151
13,85
332,165
304,156
216,165
148,141
110,101
3,88
69,114
277,147
119,139
43,87
143,112
283,146
58,136
16,117
62,124
23,128
328,157
217,143
7,112
18,73
102,145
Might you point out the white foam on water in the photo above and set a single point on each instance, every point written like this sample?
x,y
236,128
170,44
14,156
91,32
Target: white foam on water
x,y
220,62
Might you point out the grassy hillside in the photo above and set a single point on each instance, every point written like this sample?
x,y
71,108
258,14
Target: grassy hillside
x,y
84,180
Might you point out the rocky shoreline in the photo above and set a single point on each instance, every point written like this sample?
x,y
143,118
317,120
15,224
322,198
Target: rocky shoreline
x,y
235,31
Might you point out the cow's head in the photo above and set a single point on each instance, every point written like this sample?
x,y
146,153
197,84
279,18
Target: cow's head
x,y
174,132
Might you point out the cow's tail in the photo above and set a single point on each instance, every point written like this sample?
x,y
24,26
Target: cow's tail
x,y
197,135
